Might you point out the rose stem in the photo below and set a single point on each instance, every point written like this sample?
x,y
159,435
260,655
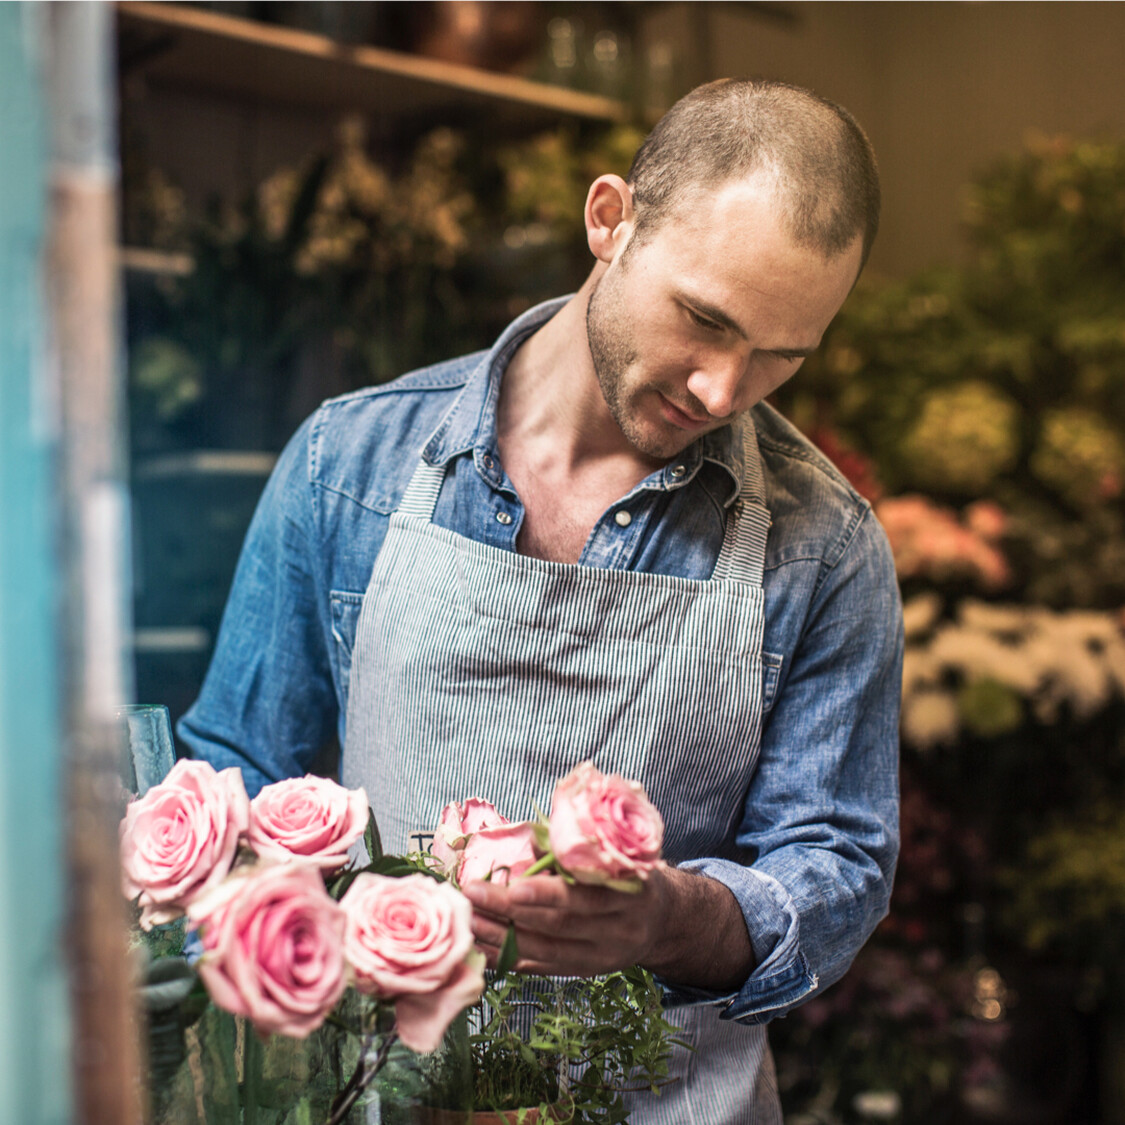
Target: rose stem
x,y
362,1077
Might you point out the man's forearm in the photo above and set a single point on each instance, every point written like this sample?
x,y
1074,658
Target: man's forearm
x,y
701,940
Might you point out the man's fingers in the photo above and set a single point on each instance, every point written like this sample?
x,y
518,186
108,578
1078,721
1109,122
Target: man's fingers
x,y
488,931
561,928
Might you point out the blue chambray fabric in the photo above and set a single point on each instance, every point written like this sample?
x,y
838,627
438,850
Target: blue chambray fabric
x,y
812,860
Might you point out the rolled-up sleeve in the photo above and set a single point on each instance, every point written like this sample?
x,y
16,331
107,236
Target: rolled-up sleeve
x,y
821,817
268,704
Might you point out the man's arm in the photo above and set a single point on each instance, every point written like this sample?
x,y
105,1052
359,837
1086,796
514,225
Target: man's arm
x,y
268,703
820,821
684,927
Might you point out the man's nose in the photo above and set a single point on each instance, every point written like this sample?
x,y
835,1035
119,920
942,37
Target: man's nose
x,y
719,384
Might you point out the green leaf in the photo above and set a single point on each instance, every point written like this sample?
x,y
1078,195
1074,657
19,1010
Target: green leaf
x,y
508,953
541,835
338,887
394,866
304,206
371,840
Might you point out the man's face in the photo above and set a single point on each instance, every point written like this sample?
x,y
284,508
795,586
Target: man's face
x,y
709,315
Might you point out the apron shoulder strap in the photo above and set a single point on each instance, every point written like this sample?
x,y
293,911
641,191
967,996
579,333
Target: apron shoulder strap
x,y
742,557
420,497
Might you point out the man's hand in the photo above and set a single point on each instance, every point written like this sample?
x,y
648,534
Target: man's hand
x,y
687,928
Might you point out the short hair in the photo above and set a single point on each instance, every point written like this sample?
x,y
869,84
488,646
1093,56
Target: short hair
x,y
820,159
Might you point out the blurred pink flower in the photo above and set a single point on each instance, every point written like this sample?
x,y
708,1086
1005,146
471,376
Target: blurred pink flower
x,y
273,947
309,818
987,519
930,541
179,840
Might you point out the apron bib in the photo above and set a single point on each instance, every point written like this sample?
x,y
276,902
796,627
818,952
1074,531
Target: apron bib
x,y
481,672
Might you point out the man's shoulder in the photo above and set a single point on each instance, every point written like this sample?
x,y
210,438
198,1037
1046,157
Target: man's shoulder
x,y
813,507
362,443
426,383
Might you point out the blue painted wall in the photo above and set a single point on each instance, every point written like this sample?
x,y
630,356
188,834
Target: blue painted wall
x,y
34,1063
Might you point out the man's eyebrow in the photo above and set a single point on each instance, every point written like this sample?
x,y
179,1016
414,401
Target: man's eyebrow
x,y
715,314
719,317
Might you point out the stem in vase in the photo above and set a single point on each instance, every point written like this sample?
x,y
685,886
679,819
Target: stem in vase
x,y
364,1073
251,1073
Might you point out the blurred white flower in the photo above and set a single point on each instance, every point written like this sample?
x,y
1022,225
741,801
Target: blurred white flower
x,y
1052,660
930,719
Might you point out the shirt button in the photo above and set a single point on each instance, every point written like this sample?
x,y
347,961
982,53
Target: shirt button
x,y
486,461
504,518
623,518
678,471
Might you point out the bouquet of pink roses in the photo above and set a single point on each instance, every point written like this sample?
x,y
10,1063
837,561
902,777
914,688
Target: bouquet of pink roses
x,y
570,1049
290,926
602,830
287,922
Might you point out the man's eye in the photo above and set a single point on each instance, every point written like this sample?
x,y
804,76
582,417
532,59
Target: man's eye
x,y
704,321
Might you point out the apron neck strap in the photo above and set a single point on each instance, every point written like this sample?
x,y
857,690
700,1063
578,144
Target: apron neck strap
x,y
420,498
743,553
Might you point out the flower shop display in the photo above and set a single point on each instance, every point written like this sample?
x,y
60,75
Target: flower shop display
x,y
981,408
352,971
345,262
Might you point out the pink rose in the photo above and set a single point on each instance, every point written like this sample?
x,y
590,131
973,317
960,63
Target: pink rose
x,y
987,519
603,829
501,853
310,818
410,940
179,840
273,947
458,822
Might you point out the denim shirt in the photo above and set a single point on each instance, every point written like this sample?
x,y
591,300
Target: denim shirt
x,y
818,839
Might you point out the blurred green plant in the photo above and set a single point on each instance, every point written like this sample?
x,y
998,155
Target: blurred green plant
x,y
1004,378
1067,897
356,268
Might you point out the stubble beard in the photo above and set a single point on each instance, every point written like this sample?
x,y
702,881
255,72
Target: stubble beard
x,y
613,353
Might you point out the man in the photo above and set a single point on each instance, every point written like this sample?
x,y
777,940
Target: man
x,y
595,541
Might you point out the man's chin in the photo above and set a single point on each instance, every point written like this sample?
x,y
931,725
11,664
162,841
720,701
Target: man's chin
x,y
659,445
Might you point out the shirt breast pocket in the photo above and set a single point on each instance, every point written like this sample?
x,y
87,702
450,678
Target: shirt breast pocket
x,y
344,607
771,677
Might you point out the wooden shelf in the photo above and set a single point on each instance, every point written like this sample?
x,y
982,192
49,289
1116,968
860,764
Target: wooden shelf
x,y
194,49
159,263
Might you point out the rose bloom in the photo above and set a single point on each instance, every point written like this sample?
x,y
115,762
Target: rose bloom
x,y
499,854
987,519
179,840
457,823
273,947
410,940
603,829
310,818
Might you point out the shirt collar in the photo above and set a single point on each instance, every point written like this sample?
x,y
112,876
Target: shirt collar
x,y
470,423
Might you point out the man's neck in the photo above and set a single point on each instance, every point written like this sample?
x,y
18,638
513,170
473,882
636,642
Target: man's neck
x,y
558,441
550,394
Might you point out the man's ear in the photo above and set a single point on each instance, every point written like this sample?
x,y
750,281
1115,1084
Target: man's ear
x,y
609,217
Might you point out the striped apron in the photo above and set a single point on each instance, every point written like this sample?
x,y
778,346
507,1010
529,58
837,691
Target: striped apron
x,y
482,672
